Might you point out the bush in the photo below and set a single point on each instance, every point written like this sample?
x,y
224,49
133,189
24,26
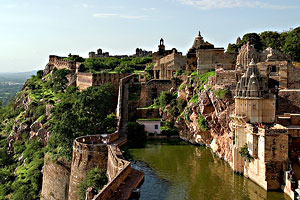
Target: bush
x,y
194,99
135,132
96,178
222,93
244,152
202,123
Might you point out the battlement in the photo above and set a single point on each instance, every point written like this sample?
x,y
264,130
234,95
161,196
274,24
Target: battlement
x,y
60,63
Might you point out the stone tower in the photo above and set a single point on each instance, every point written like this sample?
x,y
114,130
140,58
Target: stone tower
x,y
161,46
254,105
88,152
253,102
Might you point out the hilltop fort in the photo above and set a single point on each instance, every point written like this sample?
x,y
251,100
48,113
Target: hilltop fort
x,y
242,104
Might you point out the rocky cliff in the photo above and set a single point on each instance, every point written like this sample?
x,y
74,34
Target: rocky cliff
x,y
206,117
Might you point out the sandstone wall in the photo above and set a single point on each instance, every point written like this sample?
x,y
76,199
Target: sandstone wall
x,y
55,180
88,152
143,113
288,101
152,90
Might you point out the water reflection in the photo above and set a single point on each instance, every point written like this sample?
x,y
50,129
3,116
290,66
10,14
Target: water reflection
x,y
183,171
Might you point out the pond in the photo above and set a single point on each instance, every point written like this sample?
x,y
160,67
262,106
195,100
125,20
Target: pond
x,y
175,169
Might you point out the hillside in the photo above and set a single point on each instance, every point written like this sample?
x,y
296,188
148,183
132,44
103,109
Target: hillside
x,y
11,83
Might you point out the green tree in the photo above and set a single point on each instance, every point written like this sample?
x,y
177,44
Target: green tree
x,y
232,48
60,80
270,39
253,39
292,44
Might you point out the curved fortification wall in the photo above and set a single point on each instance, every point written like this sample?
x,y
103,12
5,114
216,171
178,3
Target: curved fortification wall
x,y
88,152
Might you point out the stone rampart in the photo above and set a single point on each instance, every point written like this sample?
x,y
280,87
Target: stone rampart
x,y
85,80
88,152
117,171
55,179
60,63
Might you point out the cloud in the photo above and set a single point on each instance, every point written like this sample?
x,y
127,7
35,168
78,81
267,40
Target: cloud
x,y
107,15
149,9
217,4
82,5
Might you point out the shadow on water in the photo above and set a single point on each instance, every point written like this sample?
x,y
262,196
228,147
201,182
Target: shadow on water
x,y
176,170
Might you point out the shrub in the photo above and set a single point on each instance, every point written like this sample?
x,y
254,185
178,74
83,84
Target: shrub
x,y
135,132
244,152
194,99
222,93
96,178
202,123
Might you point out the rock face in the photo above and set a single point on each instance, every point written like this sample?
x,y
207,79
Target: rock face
x,y
216,112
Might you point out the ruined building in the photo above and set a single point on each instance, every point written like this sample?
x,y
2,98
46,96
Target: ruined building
x,y
165,68
141,53
203,56
99,54
162,51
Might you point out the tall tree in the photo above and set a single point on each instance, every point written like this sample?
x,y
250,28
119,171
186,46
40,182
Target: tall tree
x,y
271,39
254,39
292,44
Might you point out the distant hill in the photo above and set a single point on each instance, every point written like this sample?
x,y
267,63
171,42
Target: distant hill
x,y
12,83
18,77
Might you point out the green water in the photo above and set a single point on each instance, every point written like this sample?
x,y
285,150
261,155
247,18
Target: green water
x,y
176,170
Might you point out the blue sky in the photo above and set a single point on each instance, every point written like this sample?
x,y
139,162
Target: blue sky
x,y
33,29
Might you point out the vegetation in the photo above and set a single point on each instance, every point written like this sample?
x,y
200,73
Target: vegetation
x,y
123,65
222,93
292,44
136,133
202,123
244,152
167,128
90,109
96,178
73,114
74,58
288,42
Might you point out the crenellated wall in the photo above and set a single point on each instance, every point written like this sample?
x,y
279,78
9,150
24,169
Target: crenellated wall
x,y
60,63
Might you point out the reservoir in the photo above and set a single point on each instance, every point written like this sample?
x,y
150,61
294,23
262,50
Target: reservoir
x,y
175,169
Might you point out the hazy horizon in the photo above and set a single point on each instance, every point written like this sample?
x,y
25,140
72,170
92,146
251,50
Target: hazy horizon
x,y
33,30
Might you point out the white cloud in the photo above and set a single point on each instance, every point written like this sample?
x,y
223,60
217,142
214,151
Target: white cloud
x,y
149,9
213,4
107,15
82,5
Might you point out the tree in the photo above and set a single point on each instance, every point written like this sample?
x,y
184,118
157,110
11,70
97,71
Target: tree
x,y
292,44
60,80
232,48
271,39
254,39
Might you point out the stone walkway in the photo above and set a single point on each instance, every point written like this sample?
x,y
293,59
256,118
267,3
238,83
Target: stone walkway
x,y
134,179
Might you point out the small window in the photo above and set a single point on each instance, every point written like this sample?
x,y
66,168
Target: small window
x,y
273,69
156,127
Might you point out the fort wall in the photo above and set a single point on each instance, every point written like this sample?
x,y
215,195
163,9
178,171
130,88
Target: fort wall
x,y
88,152
55,179
117,170
152,90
